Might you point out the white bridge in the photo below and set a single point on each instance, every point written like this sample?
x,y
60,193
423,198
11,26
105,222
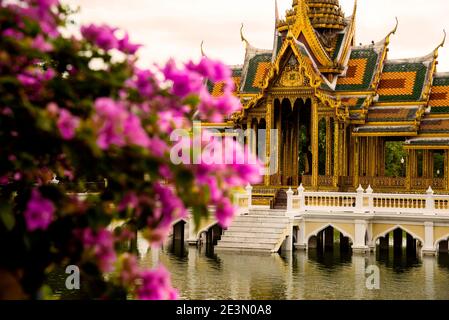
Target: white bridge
x,y
364,219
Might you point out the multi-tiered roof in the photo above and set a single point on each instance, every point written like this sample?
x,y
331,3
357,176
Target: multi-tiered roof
x,y
379,96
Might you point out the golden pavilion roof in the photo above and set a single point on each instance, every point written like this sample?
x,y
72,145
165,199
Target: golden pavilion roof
x,y
405,97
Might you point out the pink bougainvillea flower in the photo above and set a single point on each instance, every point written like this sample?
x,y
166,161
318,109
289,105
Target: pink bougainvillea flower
x,y
126,46
67,124
100,35
224,212
39,212
39,43
129,269
185,82
134,132
211,69
101,244
129,201
156,285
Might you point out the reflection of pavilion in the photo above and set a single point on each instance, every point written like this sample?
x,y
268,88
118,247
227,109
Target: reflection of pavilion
x,y
345,114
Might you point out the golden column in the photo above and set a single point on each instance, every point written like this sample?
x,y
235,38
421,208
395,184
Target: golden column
x,y
337,150
314,141
409,169
446,168
356,161
279,143
269,126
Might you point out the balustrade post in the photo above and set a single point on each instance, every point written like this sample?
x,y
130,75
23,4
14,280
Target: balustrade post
x,y
369,192
249,193
430,202
359,199
302,198
289,200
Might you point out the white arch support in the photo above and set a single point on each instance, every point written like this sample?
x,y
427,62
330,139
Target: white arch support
x,y
383,234
315,232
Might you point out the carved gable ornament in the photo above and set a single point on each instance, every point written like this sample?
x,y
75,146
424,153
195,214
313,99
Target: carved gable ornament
x,y
293,75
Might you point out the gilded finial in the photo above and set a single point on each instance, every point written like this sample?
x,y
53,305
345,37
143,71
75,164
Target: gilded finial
x,y
243,37
202,49
387,39
441,45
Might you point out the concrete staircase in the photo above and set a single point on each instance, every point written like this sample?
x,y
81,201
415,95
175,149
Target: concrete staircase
x,y
261,230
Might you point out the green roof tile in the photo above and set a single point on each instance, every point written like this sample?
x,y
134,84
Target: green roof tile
x,y
372,58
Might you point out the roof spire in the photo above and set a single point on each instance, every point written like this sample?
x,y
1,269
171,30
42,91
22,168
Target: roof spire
x,y
247,45
276,11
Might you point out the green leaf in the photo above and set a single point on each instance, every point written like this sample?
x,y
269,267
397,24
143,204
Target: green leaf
x,y
7,216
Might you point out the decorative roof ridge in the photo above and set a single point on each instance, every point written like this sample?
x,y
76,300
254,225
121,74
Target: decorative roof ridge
x,y
395,107
235,66
427,59
378,46
304,25
250,53
349,36
441,75
434,119
250,48
408,141
343,96
332,85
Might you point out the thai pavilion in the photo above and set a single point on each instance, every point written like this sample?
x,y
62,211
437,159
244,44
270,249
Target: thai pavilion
x,y
340,109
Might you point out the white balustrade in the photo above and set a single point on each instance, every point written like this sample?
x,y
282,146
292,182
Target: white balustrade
x,y
367,201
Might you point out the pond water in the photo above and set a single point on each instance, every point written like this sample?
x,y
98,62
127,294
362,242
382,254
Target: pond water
x,y
203,274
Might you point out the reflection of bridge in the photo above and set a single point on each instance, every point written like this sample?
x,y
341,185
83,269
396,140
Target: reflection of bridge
x,y
360,221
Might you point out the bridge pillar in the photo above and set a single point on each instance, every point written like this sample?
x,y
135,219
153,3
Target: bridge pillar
x,y
360,246
329,238
428,248
320,240
443,247
385,242
344,243
301,243
397,239
313,242
411,244
191,240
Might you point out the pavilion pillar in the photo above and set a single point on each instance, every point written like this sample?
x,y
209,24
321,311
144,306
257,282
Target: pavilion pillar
x,y
269,126
314,141
381,163
296,145
409,168
337,155
426,166
328,147
344,155
446,168
356,161
279,144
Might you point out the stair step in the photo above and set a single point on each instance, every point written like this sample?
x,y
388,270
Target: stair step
x,y
258,224
256,229
262,218
251,235
247,245
231,239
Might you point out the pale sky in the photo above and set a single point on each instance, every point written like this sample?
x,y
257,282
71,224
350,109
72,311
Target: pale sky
x,y
175,28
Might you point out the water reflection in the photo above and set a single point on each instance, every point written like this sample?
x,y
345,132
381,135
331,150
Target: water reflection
x,y
205,274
